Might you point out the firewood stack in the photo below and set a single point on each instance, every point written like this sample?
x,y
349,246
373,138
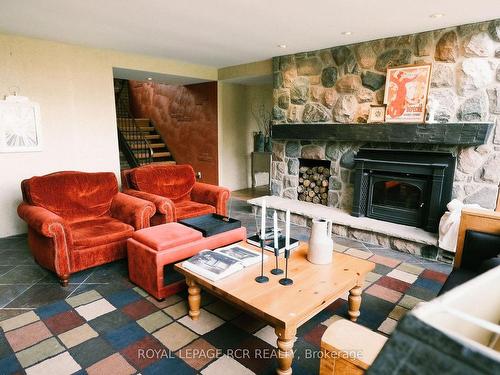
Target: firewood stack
x,y
313,184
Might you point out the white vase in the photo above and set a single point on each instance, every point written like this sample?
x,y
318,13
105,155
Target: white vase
x,y
321,243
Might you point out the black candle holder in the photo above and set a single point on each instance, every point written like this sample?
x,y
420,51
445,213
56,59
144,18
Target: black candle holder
x,y
286,280
262,279
277,270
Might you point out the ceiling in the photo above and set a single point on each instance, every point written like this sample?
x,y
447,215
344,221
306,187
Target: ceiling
x,y
139,75
228,32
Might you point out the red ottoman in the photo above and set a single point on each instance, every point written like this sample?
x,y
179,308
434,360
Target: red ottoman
x,y
150,249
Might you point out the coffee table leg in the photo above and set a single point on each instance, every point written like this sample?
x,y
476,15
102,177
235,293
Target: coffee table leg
x,y
354,301
286,338
194,299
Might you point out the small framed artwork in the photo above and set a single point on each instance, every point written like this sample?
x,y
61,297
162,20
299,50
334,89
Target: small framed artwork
x,y
20,128
376,114
406,91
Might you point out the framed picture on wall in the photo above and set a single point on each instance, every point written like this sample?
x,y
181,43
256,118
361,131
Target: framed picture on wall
x,y
20,128
406,91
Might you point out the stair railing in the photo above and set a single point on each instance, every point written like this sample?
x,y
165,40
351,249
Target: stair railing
x,y
131,139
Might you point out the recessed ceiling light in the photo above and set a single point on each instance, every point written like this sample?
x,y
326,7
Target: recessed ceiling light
x,y
150,79
346,33
436,15
282,45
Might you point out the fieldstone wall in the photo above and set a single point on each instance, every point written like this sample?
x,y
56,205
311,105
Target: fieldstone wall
x,y
337,85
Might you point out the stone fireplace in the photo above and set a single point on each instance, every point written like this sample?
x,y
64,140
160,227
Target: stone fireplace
x,y
321,96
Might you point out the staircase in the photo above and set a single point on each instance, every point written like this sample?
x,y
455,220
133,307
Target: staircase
x,y
150,148
139,141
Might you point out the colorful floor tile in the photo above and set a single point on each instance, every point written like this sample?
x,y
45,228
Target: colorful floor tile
x,y
106,325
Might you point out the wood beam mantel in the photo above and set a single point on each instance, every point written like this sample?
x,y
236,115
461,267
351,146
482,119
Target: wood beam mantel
x,y
458,133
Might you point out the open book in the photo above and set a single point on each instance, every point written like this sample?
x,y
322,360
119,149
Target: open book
x,y
220,263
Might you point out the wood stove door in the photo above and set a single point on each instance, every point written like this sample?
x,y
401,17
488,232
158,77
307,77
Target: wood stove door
x,y
397,199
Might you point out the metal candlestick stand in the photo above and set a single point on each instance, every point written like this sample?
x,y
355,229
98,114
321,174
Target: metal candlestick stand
x,y
276,270
286,280
262,279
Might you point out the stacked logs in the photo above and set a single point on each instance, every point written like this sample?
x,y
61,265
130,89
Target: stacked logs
x,y
313,184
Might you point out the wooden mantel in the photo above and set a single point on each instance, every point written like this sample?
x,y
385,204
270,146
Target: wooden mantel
x,y
456,133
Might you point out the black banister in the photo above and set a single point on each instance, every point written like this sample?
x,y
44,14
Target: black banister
x,y
130,136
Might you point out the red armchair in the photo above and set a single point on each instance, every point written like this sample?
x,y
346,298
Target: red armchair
x,y
79,220
174,191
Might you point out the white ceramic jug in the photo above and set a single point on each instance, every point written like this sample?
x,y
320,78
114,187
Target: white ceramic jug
x,y
320,243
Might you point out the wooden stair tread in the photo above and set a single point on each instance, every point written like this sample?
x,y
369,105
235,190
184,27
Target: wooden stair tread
x,y
161,154
152,136
139,145
146,128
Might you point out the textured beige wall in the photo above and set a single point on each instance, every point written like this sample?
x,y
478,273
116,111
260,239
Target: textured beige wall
x,y
254,69
74,87
236,127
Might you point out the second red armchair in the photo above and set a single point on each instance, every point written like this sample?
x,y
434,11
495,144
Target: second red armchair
x,y
174,191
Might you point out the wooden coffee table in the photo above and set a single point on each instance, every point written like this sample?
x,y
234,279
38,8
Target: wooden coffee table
x,y
285,307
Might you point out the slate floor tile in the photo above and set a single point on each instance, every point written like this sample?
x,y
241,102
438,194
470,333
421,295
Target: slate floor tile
x,y
8,293
91,351
24,274
41,294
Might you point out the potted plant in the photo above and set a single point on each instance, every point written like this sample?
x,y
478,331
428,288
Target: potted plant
x,y
262,138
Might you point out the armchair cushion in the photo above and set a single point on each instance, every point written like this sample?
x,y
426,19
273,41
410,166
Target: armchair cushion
x,y
188,209
99,231
72,195
172,181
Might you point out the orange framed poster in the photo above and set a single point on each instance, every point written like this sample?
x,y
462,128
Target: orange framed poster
x,y
406,91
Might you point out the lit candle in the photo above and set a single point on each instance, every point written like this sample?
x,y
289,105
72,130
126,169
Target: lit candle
x,y
263,220
287,230
275,218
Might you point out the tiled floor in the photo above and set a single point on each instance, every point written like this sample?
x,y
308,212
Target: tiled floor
x,y
24,285
104,329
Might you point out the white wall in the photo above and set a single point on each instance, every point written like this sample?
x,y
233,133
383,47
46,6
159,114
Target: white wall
x,y
236,127
74,87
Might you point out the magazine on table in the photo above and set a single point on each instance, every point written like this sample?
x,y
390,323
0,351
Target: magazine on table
x,y
222,262
242,254
269,245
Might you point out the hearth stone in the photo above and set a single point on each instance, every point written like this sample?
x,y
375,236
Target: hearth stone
x,y
389,235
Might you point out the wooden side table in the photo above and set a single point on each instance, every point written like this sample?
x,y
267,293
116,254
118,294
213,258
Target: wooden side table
x,y
261,162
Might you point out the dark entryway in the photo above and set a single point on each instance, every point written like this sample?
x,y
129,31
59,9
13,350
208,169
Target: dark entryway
x,y
404,187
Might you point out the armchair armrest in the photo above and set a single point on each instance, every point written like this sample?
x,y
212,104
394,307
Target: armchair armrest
x,y
132,210
55,253
213,195
163,205
43,221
